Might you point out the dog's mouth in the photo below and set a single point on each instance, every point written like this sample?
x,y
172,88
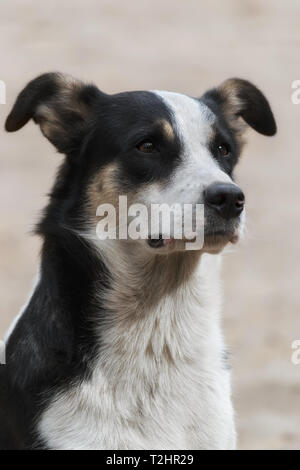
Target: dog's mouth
x,y
160,242
214,241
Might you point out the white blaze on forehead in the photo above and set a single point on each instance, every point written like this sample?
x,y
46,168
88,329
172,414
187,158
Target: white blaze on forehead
x,y
193,123
193,119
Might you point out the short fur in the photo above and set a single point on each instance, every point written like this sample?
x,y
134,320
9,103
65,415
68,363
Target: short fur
x,y
120,344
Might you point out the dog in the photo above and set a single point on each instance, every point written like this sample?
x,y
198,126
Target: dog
x,y
120,344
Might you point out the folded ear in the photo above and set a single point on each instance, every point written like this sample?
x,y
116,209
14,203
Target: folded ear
x,y
239,98
61,105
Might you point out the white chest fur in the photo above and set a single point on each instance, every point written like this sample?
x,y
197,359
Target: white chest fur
x,y
159,381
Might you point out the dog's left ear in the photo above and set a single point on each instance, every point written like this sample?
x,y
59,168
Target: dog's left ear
x,y
237,98
61,105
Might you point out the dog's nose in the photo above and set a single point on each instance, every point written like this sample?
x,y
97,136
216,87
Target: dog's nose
x,y
225,198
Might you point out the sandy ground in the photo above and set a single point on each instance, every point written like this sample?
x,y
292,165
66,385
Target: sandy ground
x,y
188,47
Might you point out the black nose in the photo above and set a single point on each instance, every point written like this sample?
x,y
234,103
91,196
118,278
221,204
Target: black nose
x,y
225,198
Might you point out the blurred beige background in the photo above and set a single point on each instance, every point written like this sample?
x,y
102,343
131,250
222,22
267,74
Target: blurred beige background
x,y
187,47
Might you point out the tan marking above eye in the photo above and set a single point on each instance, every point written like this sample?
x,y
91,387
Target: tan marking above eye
x,y
167,128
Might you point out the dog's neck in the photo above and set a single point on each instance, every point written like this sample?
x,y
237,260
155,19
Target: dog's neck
x,y
112,299
159,308
129,284
140,278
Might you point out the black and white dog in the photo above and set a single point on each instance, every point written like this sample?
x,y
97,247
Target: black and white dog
x,y
120,346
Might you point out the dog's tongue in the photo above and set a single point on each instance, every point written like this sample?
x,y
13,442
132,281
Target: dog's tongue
x,y
159,242
167,241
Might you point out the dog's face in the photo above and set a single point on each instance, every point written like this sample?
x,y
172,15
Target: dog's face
x,y
152,147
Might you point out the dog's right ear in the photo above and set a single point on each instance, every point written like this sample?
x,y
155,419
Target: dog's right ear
x,y
237,98
62,106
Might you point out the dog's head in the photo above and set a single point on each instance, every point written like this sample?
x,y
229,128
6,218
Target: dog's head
x,y
154,147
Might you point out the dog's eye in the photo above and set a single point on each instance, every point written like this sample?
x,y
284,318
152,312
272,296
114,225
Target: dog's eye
x,y
146,147
224,150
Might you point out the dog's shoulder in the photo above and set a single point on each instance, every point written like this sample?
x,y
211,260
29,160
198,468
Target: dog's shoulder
x,y
10,429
